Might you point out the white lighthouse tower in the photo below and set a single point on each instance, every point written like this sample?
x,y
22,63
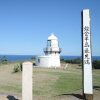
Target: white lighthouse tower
x,y
53,50
52,54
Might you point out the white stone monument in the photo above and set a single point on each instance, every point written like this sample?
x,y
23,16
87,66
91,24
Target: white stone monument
x,y
86,56
27,81
52,54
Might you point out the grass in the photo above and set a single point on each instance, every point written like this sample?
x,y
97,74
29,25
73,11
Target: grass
x,y
9,82
67,83
53,82
46,82
96,77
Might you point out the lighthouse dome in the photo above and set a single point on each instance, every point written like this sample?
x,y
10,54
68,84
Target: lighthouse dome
x,y
52,37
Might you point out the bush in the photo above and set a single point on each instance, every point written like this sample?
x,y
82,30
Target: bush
x,y
3,60
74,61
33,58
17,68
21,66
77,61
96,64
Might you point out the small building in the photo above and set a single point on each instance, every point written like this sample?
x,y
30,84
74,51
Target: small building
x,y
51,59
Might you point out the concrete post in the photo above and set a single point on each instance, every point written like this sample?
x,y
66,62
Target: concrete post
x,y
27,81
86,56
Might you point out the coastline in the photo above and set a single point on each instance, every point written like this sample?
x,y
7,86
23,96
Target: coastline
x,y
22,58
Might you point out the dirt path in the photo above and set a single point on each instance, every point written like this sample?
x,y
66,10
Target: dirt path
x,y
6,96
73,96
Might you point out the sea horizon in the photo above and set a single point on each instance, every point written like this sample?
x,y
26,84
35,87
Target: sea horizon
x,y
12,58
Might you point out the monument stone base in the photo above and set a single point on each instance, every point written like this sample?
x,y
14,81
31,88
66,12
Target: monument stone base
x,y
88,96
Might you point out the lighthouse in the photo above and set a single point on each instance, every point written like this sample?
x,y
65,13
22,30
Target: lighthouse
x,y
52,51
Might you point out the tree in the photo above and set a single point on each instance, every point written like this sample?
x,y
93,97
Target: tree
x,y
4,60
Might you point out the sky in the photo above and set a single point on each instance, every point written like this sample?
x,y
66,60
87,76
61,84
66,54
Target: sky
x,y
26,24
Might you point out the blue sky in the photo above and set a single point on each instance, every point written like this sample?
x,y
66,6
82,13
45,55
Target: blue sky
x,y
26,24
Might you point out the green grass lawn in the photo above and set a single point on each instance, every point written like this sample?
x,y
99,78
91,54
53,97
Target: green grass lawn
x,y
46,82
53,82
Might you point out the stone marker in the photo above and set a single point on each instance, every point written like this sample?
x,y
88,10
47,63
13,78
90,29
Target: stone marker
x,y
86,56
27,81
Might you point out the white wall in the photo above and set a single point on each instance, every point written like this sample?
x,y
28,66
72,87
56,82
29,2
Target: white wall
x,y
43,61
55,61
48,61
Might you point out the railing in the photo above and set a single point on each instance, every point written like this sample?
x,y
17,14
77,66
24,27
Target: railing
x,y
52,50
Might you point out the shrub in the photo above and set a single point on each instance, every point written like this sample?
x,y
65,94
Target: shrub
x,y
74,61
17,68
33,58
20,66
3,60
77,61
96,64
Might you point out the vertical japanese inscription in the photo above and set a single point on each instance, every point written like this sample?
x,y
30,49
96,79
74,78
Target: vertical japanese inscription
x,y
86,37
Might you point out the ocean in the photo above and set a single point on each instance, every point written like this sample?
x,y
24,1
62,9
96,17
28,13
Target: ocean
x,y
75,57
12,58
